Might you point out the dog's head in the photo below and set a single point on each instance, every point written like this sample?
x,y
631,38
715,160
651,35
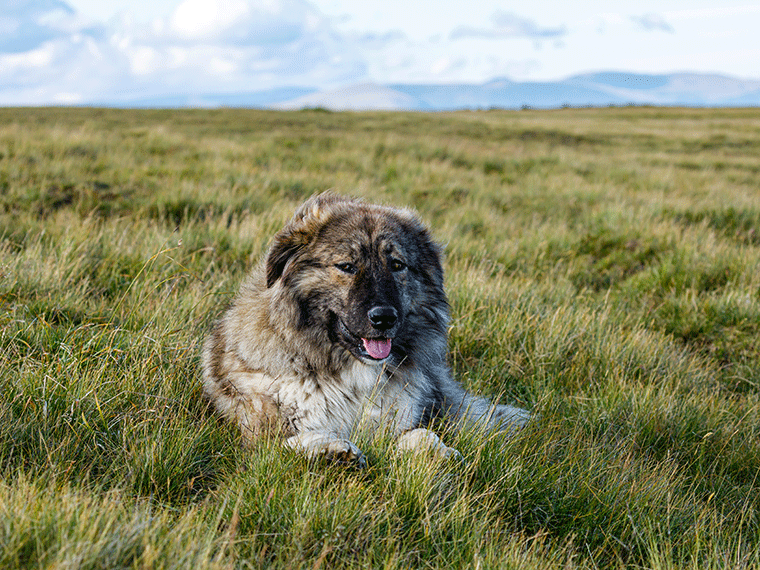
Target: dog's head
x,y
369,276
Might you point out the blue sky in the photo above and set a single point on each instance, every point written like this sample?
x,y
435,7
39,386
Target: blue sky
x,y
75,51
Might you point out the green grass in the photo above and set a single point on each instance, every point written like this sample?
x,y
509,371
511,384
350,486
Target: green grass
x,y
603,267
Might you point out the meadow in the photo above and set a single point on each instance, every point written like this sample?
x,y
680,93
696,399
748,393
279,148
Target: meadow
x,y
603,268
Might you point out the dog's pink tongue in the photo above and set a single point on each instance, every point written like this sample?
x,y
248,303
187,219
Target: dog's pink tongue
x,y
378,348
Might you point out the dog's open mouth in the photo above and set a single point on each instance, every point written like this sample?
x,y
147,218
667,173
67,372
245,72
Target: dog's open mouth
x,y
377,348
374,348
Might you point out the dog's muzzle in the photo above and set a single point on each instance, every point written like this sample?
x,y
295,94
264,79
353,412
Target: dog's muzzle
x,y
382,318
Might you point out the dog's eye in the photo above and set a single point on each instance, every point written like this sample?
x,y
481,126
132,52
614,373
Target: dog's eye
x,y
397,265
349,268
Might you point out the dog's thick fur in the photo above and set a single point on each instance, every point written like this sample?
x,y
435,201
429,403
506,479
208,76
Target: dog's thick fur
x,y
343,324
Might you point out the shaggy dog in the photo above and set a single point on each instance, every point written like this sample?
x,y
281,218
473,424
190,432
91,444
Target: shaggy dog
x,y
342,325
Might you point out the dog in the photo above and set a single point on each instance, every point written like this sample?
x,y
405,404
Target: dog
x,y
343,326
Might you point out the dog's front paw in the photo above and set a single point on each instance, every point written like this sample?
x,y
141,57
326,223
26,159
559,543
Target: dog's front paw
x,y
343,451
328,446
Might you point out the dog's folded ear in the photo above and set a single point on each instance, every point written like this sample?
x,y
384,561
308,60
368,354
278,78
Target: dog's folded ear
x,y
286,245
313,213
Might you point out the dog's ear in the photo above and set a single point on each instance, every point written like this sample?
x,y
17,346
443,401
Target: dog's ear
x,y
286,245
312,214
430,258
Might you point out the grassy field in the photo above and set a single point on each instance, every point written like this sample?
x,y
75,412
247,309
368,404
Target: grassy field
x,y
603,267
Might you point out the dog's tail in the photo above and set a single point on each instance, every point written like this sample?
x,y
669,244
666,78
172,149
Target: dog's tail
x,y
470,411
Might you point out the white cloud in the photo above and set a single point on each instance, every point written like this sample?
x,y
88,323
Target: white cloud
x,y
743,10
244,22
508,25
18,62
237,45
25,24
203,20
65,98
653,22
144,60
380,41
222,67
9,26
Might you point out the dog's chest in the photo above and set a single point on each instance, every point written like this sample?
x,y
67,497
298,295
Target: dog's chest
x,y
362,395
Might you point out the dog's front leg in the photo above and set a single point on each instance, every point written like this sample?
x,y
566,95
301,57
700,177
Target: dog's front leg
x,y
316,444
421,439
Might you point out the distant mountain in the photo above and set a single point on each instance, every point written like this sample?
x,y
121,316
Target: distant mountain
x,y
355,98
593,89
254,99
504,94
688,89
597,89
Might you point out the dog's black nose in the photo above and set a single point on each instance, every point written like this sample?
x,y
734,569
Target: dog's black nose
x,y
382,318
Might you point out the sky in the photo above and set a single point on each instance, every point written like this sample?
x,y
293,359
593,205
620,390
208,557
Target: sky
x,y
80,51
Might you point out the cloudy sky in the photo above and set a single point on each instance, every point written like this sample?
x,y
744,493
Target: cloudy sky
x,y
78,51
